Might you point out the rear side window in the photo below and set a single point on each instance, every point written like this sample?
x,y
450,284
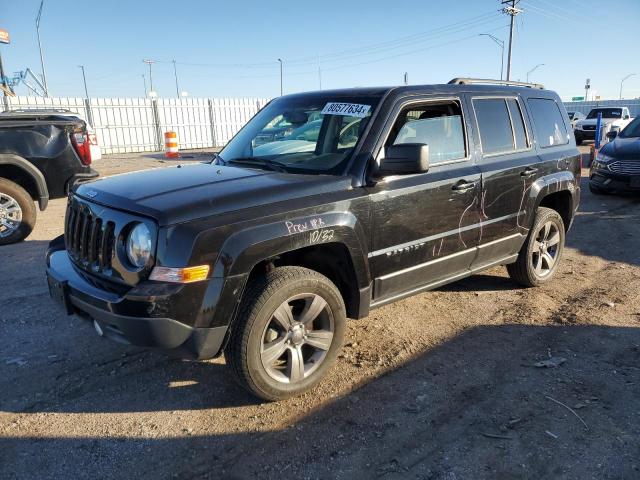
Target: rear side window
x,y
494,123
547,121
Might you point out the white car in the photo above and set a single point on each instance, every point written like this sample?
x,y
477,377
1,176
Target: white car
x,y
613,118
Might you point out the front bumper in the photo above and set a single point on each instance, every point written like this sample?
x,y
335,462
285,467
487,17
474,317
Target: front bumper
x,y
133,317
585,134
607,180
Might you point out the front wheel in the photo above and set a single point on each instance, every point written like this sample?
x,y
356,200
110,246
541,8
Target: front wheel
x,y
287,334
540,255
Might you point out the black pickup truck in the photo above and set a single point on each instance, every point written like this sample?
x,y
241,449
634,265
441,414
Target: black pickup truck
x,y
263,257
42,154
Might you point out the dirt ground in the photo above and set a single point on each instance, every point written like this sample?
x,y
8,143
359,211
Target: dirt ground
x,y
439,386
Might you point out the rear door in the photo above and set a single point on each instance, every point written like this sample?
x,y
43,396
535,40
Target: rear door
x,y
508,165
425,225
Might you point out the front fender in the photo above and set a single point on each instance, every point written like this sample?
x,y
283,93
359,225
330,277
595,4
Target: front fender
x,y
244,249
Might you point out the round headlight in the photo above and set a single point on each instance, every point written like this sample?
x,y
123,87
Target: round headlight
x,y
139,245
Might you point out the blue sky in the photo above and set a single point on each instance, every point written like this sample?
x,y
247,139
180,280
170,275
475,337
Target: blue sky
x,y
225,49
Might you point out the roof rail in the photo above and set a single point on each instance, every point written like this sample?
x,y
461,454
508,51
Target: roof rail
x,y
467,81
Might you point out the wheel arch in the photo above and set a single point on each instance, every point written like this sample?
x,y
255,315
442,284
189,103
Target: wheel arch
x,y
559,191
25,174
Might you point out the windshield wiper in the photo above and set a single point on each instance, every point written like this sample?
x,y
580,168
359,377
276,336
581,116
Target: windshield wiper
x,y
259,161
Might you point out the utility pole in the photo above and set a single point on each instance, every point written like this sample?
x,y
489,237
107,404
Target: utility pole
x,y
150,62
406,78
44,75
175,74
512,11
280,60
84,79
319,74
144,80
622,81
501,45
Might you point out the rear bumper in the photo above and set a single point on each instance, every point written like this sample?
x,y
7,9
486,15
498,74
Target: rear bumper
x,y
125,318
81,178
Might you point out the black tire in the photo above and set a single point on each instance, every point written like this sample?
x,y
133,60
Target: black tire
x,y
10,191
532,254
264,297
598,190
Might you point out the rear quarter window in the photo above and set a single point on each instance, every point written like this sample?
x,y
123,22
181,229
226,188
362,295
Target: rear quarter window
x,y
548,124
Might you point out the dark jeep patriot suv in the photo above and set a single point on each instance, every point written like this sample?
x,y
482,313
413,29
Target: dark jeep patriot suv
x,y
265,255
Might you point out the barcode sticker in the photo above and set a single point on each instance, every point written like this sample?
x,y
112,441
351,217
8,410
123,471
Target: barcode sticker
x,y
349,109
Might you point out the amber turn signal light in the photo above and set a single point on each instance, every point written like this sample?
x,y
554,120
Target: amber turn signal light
x,y
180,275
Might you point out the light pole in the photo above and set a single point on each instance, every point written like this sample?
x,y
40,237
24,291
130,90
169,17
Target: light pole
x,y
622,81
84,79
144,80
175,74
532,70
280,60
501,45
150,62
44,75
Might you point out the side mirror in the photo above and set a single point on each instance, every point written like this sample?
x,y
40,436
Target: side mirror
x,y
405,158
612,134
626,117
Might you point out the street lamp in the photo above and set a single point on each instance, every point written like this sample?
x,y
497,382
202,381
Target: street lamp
x,y
501,45
44,75
150,62
84,79
622,81
534,68
280,60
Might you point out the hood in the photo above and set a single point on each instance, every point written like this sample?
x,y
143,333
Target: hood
x,y
284,146
623,149
188,192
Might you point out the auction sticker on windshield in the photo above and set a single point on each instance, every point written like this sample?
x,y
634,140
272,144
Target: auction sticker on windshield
x,y
351,109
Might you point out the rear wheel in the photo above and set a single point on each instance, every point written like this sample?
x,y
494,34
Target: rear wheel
x,y
17,212
287,334
540,255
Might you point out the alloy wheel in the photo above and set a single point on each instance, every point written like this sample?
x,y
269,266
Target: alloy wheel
x,y
297,338
545,249
10,215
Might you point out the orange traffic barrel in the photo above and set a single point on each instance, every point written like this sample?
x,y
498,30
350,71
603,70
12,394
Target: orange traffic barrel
x,y
171,145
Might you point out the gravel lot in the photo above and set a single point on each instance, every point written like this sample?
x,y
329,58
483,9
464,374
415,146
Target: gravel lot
x,y
439,386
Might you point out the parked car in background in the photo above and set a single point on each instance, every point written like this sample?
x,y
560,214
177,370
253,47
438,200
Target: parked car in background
x,y
96,153
263,257
613,118
42,155
617,164
574,117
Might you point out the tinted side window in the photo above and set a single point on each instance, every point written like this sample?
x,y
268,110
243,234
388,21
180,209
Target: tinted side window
x,y
547,122
439,125
518,124
494,124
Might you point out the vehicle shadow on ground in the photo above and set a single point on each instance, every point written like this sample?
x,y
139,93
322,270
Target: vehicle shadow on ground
x,y
473,407
604,216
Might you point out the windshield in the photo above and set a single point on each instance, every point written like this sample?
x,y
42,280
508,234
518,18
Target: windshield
x,y
632,130
312,133
606,113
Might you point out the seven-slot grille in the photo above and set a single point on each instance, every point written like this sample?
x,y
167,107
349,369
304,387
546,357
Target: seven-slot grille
x,y
89,240
626,168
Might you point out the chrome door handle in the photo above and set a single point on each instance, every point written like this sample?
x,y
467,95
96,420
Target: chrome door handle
x,y
463,186
528,172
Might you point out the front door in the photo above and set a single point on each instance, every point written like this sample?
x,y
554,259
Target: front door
x,y
425,226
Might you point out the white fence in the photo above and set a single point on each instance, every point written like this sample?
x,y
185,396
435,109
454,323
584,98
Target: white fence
x,y
585,107
138,124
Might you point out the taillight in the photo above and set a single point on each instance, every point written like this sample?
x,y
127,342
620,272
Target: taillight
x,y
82,144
